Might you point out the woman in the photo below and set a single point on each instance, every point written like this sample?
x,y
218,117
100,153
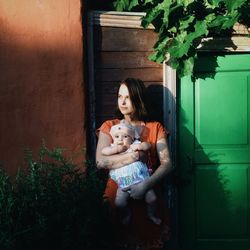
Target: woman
x,y
132,108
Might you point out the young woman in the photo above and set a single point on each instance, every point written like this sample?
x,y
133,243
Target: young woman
x,y
132,108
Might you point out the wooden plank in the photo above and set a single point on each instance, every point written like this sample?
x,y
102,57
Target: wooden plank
x,y
240,29
147,74
126,59
103,118
151,84
119,19
109,85
233,44
124,39
108,109
106,87
108,90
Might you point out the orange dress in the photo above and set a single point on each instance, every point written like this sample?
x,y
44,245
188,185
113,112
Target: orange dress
x,y
140,233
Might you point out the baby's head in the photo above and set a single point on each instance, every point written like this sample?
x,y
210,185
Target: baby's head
x,y
122,134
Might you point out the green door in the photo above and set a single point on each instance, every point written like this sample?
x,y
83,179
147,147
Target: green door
x,y
214,155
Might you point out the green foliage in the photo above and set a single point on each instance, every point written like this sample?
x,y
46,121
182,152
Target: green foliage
x,y
181,24
52,205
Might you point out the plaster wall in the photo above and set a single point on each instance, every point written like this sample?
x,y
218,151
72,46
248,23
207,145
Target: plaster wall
x,y
41,77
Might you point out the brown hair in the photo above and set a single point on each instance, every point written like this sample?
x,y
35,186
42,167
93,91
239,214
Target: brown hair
x,y
137,93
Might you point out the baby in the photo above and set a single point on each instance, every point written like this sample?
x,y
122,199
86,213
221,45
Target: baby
x,y
123,136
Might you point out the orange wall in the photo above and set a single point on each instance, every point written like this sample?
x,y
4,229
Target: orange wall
x,y
41,77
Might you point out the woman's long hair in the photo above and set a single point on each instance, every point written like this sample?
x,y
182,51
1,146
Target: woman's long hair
x,y
137,93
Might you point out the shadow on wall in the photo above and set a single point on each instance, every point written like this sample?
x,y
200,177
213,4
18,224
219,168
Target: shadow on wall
x,y
99,5
210,191
41,93
217,188
154,95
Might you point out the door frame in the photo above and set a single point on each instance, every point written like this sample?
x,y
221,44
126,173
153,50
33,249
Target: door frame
x,y
238,43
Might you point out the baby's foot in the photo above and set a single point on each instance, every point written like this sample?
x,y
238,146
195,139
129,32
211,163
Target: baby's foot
x,y
155,219
152,214
126,219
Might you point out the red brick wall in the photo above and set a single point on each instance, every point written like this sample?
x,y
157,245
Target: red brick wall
x,y
41,77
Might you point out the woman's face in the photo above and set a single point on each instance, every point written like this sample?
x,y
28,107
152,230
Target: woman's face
x,y
124,102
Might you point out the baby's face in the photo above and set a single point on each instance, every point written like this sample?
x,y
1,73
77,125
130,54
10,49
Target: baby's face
x,y
121,138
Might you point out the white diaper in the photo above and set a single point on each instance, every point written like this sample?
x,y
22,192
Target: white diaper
x,y
130,174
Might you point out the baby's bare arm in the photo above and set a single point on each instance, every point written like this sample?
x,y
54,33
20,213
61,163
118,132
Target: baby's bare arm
x,y
112,150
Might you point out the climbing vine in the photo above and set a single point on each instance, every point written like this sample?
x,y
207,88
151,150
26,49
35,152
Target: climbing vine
x,y
181,25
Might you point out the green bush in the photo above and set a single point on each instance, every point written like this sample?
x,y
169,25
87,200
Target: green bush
x,y
52,205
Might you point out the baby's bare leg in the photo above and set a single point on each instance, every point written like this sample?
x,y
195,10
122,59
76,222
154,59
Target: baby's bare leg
x,y
150,198
121,202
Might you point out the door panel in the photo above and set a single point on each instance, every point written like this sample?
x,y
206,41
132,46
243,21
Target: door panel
x,y
221,201
215,114
214,155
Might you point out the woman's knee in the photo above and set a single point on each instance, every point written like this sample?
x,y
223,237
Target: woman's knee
x,y
121,202
150,197
121,199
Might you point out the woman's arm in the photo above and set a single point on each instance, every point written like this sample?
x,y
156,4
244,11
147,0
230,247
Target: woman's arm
x,y
112,161
137,191
165,163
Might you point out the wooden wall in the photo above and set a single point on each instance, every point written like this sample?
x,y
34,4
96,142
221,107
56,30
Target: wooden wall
x,y
119,53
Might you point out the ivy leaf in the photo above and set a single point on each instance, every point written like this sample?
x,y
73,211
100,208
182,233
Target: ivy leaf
x,y
234,4
147,1
173,30
161,43
230,20
211,4
132,4
174,63
184,24
178,48
166,6
153,57
210,18
188,66
153,13
215,3
182,43
158,56
217,22
184,2
121,5
200,30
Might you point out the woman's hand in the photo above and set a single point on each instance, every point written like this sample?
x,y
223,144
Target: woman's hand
x,y
121,148
135,147
137,191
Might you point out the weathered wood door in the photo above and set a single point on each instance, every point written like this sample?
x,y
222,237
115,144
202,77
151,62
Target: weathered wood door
x,y
214,155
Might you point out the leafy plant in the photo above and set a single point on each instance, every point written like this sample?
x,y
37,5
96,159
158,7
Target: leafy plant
x,y
181,24
52,205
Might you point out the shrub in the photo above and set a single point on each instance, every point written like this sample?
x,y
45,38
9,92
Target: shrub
x,y
52,205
